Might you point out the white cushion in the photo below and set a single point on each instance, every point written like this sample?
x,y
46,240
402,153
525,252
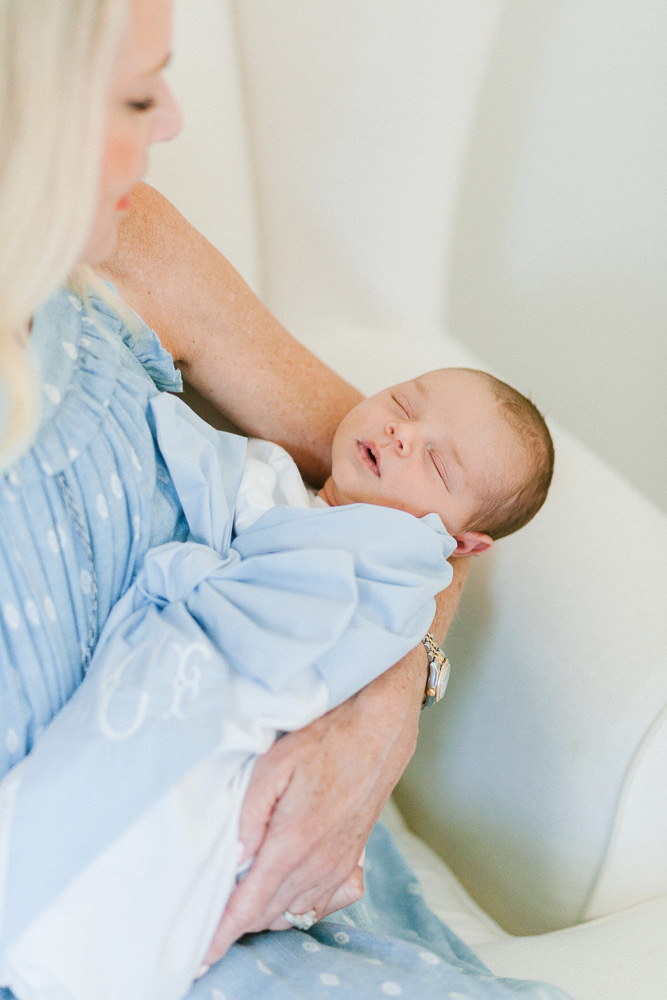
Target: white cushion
x,y
546,750
551,806
621,957
634,867
442,890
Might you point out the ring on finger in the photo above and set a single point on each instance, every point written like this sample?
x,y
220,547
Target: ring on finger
x,y
302,921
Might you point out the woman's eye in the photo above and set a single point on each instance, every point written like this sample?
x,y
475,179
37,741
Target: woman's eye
x,y
145,105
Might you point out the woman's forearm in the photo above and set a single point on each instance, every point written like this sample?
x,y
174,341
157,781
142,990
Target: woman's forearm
x,y
447,601
407,679
227,344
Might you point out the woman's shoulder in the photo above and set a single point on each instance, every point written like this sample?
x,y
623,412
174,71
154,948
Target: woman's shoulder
x,y
87,357
119,320
67,323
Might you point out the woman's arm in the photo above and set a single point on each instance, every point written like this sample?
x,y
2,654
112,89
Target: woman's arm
x,y
227,344
317,793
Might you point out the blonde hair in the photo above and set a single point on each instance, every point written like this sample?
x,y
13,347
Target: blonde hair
x,y
56,59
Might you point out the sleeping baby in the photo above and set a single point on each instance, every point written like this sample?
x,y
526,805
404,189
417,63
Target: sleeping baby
x,y
282,603
457,442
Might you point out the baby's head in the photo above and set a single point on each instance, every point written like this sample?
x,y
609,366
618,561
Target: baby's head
x,y
457,442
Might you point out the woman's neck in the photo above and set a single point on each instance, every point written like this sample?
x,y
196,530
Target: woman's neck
x,y
22,333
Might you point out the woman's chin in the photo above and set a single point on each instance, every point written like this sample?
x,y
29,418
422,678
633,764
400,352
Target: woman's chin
x,y
102,245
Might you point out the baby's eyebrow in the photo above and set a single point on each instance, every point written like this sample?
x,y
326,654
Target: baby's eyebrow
x,y
455,454
419,386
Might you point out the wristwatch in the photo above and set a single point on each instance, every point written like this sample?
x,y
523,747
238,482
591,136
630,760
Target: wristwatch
x,y
438,671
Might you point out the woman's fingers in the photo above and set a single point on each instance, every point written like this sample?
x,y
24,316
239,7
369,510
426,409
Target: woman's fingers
x,y
349,892
316,794
270,779
312,802
305,846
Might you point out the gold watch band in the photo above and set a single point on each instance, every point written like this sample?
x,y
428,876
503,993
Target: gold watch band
x,y
438,671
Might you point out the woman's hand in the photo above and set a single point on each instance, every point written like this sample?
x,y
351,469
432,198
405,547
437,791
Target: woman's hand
x,y
313,800
315,796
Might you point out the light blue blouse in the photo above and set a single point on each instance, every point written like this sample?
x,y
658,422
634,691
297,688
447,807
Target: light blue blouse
x,y
79,510
78,513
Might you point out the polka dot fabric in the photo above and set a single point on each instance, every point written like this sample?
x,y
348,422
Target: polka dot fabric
x,y
387,945
79,510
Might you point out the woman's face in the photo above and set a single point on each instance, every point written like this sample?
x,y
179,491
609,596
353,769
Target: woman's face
x,y
142,111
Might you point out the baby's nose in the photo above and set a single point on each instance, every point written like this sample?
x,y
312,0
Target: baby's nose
x,y
400,437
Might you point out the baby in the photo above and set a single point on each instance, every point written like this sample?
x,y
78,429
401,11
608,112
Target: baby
x,y
263,620
456,442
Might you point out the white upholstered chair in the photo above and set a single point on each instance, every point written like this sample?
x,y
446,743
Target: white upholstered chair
x,y
323,154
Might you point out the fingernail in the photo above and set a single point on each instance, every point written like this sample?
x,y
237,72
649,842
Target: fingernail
x,y
202,970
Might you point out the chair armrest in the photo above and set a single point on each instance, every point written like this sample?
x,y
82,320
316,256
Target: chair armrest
x,y
442,891
618,957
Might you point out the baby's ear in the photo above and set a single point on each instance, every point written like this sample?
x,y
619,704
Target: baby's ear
x,y
471,543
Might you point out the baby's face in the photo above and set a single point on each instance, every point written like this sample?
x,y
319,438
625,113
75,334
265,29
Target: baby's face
x,y
435,444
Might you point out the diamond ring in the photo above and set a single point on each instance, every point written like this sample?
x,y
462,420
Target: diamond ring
x,y
302,921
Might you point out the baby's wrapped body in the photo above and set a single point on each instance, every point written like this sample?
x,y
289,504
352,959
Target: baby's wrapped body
x,y
221,643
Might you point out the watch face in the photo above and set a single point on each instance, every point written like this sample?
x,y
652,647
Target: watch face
x,y
442,681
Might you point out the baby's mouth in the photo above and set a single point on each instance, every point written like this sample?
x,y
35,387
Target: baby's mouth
x,y
369,457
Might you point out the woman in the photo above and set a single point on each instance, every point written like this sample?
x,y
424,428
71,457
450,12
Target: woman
x,y
56,219
84,494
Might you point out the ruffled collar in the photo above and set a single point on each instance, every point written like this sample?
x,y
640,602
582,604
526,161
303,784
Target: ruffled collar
x,y
79,363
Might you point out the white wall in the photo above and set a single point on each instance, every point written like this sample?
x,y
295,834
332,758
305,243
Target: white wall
x,y
360,115
206,171
495,168
559,253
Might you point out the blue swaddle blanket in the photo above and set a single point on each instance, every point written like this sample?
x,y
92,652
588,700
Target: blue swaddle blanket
x,y
219,644
120,827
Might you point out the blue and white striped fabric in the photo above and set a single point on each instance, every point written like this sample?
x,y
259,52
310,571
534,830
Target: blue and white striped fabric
x,y
93,473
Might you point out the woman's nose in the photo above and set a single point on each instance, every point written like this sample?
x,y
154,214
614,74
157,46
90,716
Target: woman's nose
x,y
169,120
